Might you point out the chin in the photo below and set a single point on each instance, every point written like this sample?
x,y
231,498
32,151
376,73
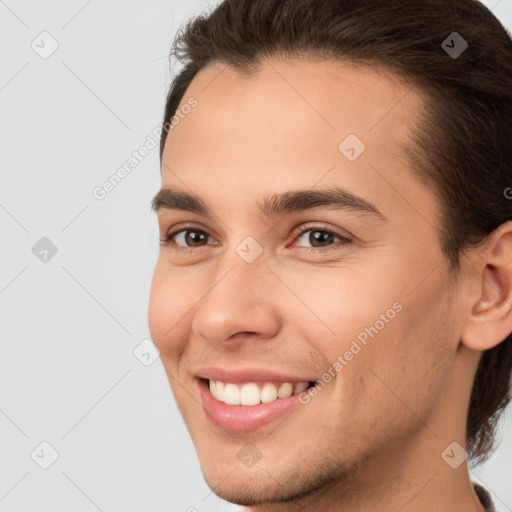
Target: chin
x,y
250,491
271,484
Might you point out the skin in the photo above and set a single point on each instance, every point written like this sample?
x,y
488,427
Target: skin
x,y
372,438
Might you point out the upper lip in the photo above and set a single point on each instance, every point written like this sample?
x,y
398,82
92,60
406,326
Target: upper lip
x,y
238,375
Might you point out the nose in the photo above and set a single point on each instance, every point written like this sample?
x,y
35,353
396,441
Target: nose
x,y
242,303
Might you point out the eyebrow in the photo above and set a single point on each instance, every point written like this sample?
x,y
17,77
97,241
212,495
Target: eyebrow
x,y
273,205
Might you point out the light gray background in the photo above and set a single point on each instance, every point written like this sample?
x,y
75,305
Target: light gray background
x,y
69,325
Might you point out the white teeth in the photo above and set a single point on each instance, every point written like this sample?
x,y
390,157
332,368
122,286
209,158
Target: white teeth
x,y
268,393
219,389
252,393
300,387
213,388
285,390
231,395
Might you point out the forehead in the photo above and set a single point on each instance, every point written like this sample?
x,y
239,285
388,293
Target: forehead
x,y
331,96
287,100
291,122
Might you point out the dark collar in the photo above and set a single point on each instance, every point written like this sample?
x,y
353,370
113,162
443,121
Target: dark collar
x,y
484,497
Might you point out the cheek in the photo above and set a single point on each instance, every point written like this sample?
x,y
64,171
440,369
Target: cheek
x,y
341,305
167,305
167,309
389,339
402,371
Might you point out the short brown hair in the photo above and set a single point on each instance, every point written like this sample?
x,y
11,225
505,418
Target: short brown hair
x,y
462,144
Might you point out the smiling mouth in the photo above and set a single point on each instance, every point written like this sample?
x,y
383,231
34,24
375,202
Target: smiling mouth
x,y
254,393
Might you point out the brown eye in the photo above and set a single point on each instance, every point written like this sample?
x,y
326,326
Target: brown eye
x,y
190,238
319,238
187,238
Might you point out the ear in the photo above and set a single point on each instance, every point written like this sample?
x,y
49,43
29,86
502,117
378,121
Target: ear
x,y
489,319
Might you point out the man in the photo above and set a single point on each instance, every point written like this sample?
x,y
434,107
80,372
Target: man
x,y
333,294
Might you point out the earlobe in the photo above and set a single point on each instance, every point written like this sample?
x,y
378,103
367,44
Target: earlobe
x,y
490,318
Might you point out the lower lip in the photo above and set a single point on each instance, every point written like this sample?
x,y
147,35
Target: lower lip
x,y
244,418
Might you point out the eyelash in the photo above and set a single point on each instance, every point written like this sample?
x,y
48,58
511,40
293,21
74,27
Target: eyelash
x,y
296,234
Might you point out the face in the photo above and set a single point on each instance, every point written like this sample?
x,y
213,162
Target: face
x,y
307,253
